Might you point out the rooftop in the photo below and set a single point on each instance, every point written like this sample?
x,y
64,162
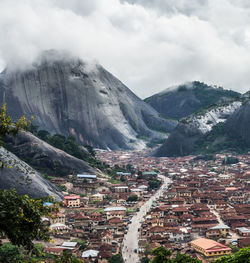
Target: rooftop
x,y
208,244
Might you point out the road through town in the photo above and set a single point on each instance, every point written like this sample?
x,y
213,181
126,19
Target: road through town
x,y
130,242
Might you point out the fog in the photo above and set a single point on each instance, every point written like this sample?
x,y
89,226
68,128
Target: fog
x,y
148,44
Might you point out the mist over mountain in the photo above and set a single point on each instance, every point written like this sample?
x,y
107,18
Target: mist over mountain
x,y
180,101
71,97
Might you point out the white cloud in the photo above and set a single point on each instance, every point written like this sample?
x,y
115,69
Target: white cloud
x,y
148,44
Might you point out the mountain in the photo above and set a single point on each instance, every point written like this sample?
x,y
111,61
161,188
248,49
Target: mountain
x,y
45,157
71,97
193,132
24,178
180,101
238,125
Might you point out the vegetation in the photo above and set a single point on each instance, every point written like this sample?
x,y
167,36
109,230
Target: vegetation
x,y
162,255
217,140
242,256
154,184
116,259
10,253
20,216
154,142
71,146
214,95
7,126
133,198
20,219
62,188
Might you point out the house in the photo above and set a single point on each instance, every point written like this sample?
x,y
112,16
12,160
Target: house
x,y
115,211
72,200
91,253
69,245
56,251
209,247
157,230
59,181
97,197
81,220
243,242
243,231
57,218
121,201
88,177
218,231
118,214
121,189
59,228
179,234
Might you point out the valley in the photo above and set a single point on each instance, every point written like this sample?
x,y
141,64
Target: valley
x,y
127,177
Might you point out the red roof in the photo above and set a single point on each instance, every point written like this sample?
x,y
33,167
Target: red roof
x,y
72,196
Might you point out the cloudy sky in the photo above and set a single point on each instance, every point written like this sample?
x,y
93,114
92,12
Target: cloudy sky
x,y
148,44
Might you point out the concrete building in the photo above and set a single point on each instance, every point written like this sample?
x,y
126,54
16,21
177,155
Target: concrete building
x,y
209,247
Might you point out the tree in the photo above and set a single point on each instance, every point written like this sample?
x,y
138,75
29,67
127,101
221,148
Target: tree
x,y
154,184
116,259
145,260
183,258
67,257
20,219
20,216
133,198
242,256
43,135
10,253
161,255
7,126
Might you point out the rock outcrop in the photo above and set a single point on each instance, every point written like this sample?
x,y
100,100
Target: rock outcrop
x,y
70,97
238,125
17,174
182,140
45,157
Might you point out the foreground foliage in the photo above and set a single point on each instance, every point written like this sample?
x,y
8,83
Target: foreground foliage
x,y
242,256
20,216
13,254
7,126
20,219
162,255
116,259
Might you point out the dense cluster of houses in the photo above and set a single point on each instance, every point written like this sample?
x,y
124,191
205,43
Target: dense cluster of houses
x,y
97,212
208,203
204,211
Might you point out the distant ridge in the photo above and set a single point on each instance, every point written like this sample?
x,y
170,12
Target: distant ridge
x,y
180,101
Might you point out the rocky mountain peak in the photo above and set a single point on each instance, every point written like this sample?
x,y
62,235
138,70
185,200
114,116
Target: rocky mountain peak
x,y
71,97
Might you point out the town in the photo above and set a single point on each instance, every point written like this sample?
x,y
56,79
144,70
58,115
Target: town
x,y
197,205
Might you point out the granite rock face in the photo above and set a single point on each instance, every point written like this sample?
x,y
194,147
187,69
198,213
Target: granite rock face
x,y
45,157
17,174
71,97
238,125
182,140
